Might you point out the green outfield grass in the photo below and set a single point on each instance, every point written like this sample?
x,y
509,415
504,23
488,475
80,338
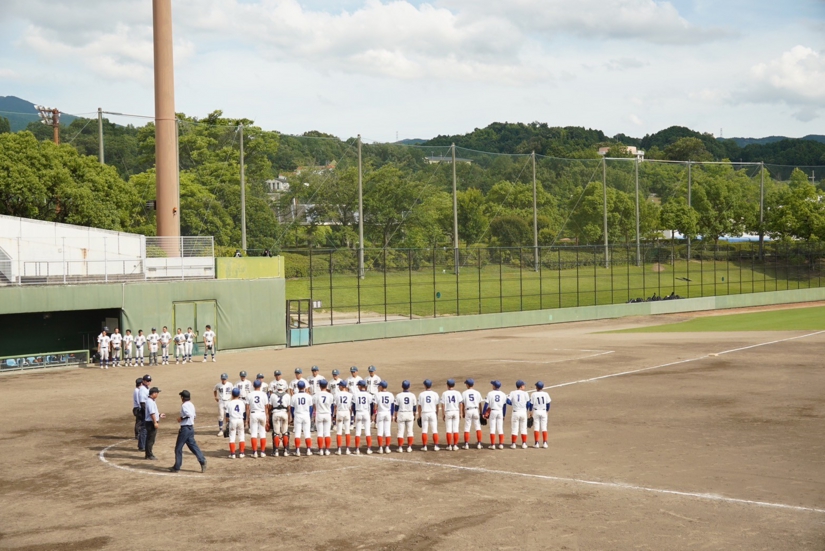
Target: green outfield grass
x,y
797,319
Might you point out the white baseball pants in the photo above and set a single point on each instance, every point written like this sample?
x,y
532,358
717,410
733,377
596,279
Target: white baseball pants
x,y
362,421
518,422
280,422
323,424
429,422
236,430
471,419
451,420
405,424
301,425
496,422
257,424
343,423
540,421
383,423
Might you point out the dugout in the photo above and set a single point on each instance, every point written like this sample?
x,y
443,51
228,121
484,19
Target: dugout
x,y
34,332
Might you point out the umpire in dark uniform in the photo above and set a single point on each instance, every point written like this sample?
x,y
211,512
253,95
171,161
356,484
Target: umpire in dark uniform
x,y
186,434
153,417
143,395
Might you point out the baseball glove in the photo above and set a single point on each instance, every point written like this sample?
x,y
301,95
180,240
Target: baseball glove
x,y
226,430
419,422
529,422
483,421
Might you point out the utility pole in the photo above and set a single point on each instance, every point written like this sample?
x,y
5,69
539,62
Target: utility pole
x,y
604,197
50,117
243,194
360,213
638,239
455,216
100,136
761,207
535,219
690,183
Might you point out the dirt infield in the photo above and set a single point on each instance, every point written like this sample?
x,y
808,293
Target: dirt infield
x,y
709,440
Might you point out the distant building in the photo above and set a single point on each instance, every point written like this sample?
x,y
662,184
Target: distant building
x,y
278,185
631,150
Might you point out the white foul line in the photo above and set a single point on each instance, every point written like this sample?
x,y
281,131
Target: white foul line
x,y
617,485
555,361
682,361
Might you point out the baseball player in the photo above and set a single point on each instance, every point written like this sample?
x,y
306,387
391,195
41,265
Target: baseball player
x,y
405,408
495,408
210,343
128,339
140,342
352,382
222,393
427,412
244,385
333,383
301,416
153,339
471,402
363,406
384,408
264,385
165,339
237,413
323,401
278,378
257,419
315,381
373,381
136,407
343,414
180,346
540,406
279,401
117,340
451,402
190,345
104,343
293,384
520,401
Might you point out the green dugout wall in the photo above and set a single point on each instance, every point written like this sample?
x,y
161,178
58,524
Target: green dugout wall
x,y
244,313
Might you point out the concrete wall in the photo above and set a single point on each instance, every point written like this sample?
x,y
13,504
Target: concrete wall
x,y
425,326
249,267
248,313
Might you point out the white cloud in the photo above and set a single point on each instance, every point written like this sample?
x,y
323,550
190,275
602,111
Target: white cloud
x,y
624,63
635,120
8,74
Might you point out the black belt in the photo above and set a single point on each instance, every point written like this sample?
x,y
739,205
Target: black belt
x,y
187,426
280,408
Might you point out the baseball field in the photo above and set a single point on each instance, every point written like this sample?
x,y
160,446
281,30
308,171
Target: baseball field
x,y
708,438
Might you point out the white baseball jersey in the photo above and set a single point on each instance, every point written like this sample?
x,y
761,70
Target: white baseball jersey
x,y
405,402
117,338
140,340
362,401
496,400
190,336
236,409
153,339
323,402
245,386
472,398
265,386
103,341
428,401
343,403
352,383
540,401
372,384
180,338
224,390
208,337
301,402
257,401
333,386
165,337
279,402
127,341
315,383
293,385
451,400
518,399
384,401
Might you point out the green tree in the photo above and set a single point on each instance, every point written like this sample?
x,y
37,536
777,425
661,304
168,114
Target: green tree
x,y
5,125
688,149
511,231
796,210
472,222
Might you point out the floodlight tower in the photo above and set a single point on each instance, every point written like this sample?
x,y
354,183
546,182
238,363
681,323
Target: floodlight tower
x,y
168,221
50,117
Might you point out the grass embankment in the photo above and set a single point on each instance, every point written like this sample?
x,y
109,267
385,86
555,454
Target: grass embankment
x,y
796,319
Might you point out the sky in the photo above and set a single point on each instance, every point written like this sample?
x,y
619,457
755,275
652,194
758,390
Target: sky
x,y
416,69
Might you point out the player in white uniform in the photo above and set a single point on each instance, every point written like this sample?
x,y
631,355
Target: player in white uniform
x,y
333,383
237,413
128,339
384,407
210,343
470,411
293,384
104,344
343,415
279,401
451,402
540,406
264,385
405,406
519,400
165,339
428,413
117,341
363,407
257,419
140,343
352,382
180,346
373,381
278,378
190,345
222,393
301,417
153,339
495,408
315,381
244,385
323,402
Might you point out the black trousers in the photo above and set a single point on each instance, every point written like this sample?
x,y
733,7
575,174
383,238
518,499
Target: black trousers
x,y
141,426
186,437
151,433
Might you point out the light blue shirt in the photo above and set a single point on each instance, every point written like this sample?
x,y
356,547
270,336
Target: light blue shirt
x,y
143,395
187,414
151,407
136,398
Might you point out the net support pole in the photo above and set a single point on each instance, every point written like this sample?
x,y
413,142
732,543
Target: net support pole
x,y
690,205
455,214
761,207
535,219
638,221
243,193
360,213
100,156
604,209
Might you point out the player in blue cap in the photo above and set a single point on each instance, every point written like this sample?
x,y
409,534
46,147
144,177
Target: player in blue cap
x,y
451,402
471,402
428,415
540,402
519,400
495,408
343,417
405,407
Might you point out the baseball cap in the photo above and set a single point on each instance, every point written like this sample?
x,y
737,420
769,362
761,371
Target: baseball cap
x,y
383,384
153,390
154,329
298,370
450,382
519,383
336,372
428,383
342,384
314,368
469,382
277,372
260,376
539,385
496,384
322,383
257,383
302,385
224,376
236,392
405,385
147,378
353,369
184,394
371,369
243,373
362,382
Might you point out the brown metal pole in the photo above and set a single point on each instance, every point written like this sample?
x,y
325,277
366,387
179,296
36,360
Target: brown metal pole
x,y
168,221
56,125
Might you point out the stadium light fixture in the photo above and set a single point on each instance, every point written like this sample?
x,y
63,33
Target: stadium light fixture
x,y
50,117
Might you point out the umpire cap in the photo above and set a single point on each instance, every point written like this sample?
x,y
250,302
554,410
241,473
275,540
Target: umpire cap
x,y
147,378
185,394
153,390
138,381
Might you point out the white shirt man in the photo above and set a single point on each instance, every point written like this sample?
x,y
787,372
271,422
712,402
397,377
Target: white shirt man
x,y
180,347
301,417
470,410
223,394
428,413
165,339
128,339
279,401
237,412
540,405
190,344
496,404
352,381
519,400
154,340
315,381
450,410
140,343
343,415
405,404
257,400
323,401
363,401
104,343
117,340
210,343
384,405
244,385
373,380
293,384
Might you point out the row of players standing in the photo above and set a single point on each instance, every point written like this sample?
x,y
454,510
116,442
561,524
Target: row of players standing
x,y
362,403
115,348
